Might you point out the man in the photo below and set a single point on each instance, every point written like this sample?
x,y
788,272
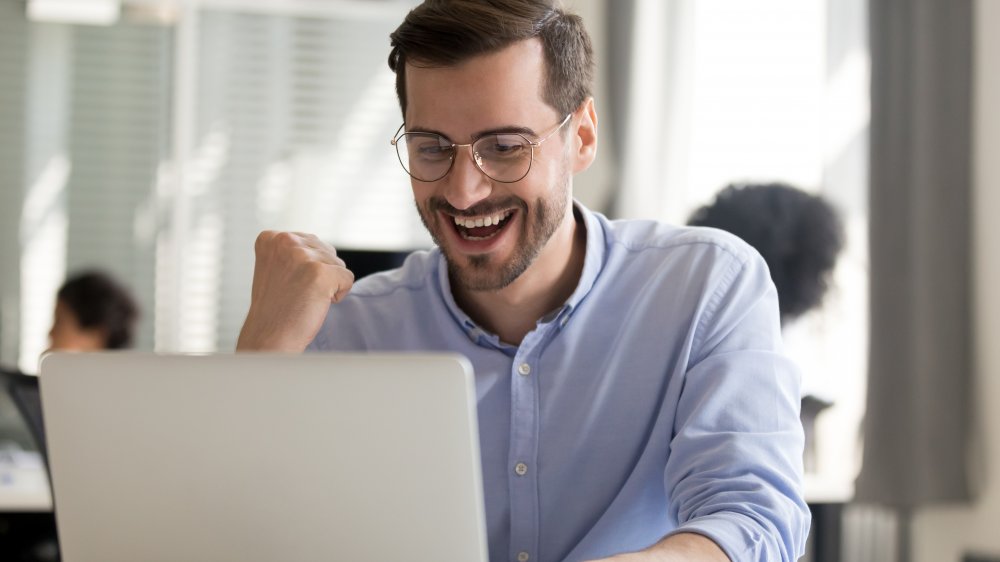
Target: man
x,y
633,403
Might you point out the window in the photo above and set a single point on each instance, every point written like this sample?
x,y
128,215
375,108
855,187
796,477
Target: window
x,y
771,90
158,146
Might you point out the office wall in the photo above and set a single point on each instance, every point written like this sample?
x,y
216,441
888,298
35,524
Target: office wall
x,y
13,104
945,534
593,187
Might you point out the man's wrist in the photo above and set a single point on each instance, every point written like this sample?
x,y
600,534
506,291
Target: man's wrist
x,y
682,547
253,338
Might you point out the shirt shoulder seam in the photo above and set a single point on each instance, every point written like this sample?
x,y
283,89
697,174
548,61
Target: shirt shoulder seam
x,y
712,306
671,244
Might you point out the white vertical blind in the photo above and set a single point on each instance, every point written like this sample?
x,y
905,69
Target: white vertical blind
x,y
43,213
34,194
13,146
13,77
291,132
288,125
119,134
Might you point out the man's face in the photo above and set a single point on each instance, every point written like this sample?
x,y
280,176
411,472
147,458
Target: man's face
x,y
499,92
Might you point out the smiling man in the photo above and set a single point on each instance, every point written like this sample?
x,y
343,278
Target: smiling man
x,y
633,400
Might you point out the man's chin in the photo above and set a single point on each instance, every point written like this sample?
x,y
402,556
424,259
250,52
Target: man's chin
x,y
474,273
481,273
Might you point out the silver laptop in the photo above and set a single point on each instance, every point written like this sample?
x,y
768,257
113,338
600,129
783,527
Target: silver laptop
x,y
256,457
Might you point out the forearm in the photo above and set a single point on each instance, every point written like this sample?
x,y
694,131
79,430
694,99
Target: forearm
x,y
682,547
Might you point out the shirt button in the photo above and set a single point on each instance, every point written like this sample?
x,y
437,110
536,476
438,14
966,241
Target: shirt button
x,y
524,369
520,469
522,557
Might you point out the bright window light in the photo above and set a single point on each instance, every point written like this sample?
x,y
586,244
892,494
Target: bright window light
x,y
93,12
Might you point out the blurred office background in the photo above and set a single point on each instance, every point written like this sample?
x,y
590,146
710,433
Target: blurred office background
x,y
155,138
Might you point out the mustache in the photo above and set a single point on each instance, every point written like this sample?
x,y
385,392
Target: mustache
x,y
483,208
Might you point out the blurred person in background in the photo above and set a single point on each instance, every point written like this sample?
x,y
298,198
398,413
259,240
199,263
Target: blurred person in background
x,y
799,235
93,312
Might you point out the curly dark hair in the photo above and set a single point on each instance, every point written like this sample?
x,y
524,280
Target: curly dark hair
x,y
798,234
98,301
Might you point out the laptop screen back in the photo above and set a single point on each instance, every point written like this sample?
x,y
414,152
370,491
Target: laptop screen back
x,y
264,457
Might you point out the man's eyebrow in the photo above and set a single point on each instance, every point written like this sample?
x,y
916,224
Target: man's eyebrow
x,y
504,130
419,129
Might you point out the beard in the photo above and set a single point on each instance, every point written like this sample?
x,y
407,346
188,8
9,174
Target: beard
x,y
485,272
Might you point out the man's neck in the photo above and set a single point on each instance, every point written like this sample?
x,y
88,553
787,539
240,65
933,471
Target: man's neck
x,y
514,311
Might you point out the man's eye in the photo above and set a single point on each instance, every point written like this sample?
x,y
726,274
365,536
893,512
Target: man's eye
x,y
433,150
503,146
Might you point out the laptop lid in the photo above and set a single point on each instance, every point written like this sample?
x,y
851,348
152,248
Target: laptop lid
x,y
254,457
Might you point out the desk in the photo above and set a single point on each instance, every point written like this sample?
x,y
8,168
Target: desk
x,y
27,524
24,483
25,496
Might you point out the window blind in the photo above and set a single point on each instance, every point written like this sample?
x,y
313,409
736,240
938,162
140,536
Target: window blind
x,y
119,134
292,132
13,60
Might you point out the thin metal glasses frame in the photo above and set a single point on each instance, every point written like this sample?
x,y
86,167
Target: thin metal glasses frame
x,y
455,146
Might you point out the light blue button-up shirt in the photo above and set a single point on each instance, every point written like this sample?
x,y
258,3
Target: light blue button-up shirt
x,y
656,400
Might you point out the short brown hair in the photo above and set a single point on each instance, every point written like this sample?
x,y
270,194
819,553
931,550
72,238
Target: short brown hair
x,y
447,32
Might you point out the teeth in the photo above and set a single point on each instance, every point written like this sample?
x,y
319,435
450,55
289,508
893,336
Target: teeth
x,y
479,222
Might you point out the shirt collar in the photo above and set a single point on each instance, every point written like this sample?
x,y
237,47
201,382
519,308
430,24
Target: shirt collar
x,y
593,263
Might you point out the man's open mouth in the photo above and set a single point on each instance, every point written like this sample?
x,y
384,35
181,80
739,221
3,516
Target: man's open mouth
x,y
482,227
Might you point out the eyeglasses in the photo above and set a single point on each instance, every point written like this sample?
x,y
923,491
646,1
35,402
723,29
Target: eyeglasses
x,y
503,157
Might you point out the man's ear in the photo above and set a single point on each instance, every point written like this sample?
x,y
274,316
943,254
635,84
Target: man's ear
x,y
585,136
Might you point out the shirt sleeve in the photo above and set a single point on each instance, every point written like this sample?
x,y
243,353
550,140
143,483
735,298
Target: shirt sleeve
x,y
734,473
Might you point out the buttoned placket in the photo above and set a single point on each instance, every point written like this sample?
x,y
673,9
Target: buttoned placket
x,y
524,429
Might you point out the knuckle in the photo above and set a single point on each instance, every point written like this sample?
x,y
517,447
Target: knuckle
x,y
263,239
312,270
298,254
286,239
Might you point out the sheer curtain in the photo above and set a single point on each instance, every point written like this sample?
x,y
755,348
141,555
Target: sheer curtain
x,y
709,92
917,426
917,429
650,46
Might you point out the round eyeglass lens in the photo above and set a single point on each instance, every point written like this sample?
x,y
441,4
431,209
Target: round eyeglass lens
x,y
504,157
425,156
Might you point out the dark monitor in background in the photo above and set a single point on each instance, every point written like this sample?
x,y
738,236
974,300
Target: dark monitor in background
x,y
25,535
365,262
23,390
20,413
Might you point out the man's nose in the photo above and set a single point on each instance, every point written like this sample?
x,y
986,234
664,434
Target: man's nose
x,y
466,185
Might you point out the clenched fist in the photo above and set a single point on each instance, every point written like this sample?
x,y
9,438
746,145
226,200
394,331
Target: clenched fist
x,y
295,279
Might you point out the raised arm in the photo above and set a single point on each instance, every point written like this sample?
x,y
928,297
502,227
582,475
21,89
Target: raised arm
x,y
296,277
